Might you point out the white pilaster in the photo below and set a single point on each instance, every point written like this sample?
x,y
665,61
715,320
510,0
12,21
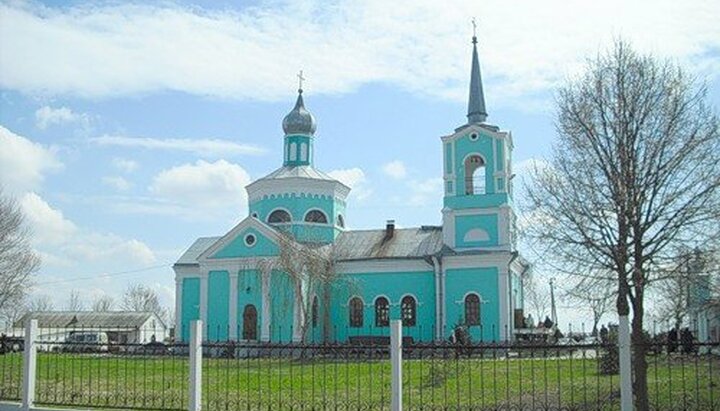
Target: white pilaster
x,y
232,307
504,303
204,304
297,318
265,327
178,308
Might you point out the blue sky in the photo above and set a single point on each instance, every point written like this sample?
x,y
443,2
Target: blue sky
x,y
130,129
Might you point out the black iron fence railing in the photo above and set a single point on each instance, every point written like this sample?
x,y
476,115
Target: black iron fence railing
x,y
131,369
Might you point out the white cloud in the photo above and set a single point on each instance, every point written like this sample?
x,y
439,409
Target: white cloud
x,y
395,169
203,185
23,163
201,147
68,245
425,191
116,49
117,182
125,165
355,179
50,227
47,116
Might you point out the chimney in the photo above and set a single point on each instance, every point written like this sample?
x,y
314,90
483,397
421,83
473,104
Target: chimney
x,y
389,229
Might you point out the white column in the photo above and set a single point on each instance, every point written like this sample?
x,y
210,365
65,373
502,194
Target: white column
x,y
232,307
178,308
29,365
396,365
626,395
503,303
204,302
265,327
298,318
196,331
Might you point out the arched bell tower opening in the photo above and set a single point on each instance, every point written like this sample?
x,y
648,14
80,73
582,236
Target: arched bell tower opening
x,y
474,175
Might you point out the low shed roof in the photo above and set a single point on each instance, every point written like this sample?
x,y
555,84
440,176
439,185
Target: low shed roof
x,y
89,319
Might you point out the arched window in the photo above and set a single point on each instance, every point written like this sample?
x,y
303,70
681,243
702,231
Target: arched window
x,y
474,175
356,308
472,309
279,216
340,221
382,312
407,309
314,312
316,216
293,151
249,323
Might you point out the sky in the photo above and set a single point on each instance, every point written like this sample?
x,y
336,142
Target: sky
x,y
129,129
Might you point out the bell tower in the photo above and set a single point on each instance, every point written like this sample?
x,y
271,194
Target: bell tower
x,y
477,212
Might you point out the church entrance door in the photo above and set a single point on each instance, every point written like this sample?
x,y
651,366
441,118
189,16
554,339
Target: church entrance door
x,y
249,323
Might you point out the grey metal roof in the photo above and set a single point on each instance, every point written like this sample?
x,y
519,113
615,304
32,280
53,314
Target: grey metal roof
x,y
298,172
414,242
405,243
198,247
87,319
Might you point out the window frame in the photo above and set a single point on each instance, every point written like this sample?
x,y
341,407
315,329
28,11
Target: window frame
x,y
277,211
408,312
472,318
382,313
356,312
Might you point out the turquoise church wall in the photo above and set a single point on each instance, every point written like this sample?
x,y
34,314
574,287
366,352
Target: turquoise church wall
x,y
282,291
483,281
294,144
483,146
485,222
218,305
190,305
237,248
391,285
298,206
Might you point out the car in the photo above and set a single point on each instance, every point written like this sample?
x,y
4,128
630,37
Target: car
x,y
86,341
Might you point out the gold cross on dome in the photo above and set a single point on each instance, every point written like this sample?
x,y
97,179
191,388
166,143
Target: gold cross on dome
x,y
300,79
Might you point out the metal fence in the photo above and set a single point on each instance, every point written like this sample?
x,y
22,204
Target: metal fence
x,y
91,372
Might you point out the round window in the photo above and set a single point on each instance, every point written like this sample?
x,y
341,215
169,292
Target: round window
x,y
255,215
474,136
250,240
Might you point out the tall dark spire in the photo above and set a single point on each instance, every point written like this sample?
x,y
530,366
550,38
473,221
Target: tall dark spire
x,y
476,103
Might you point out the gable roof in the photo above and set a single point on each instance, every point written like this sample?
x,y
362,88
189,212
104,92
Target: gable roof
x,y
414,242
190,256
89,319
247,222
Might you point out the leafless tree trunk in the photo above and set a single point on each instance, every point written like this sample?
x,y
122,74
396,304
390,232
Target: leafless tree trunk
x,y
635,175
18,261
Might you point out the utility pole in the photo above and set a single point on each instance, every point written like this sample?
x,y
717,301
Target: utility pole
x,y
553,310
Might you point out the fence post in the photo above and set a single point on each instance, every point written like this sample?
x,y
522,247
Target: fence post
x,y
195,347
29,361
624,348
396,364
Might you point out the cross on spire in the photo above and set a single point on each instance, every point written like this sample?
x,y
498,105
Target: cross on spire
x,y
300,80
474,24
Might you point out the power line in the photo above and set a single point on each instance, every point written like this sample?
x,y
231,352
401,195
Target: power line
x,y
108,275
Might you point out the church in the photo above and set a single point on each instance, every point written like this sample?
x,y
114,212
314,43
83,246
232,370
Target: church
x,y
291,271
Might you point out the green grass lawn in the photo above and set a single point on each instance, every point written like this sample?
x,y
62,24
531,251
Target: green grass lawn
x,y
107,381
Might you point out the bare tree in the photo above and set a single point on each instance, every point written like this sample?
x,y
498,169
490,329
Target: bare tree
x,y
594,294
311,268
103,304
537,298
74,302
635,174
139,297
40,303
18,261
